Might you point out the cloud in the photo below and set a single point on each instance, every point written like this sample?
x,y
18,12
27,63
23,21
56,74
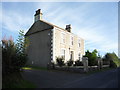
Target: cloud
x,y
84,24
14,21
97,34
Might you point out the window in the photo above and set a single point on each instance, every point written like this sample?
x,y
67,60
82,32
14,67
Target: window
x,y
79,56
78,42
63,53
71,40
71,55
63,37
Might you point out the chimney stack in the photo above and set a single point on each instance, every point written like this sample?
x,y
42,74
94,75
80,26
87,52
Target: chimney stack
x,y
38,15
68,28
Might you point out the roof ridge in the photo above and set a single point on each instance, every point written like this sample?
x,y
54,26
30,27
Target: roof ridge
x,y
51,24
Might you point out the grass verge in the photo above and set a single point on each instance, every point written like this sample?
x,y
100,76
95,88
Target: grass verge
x,y
34,68
15,80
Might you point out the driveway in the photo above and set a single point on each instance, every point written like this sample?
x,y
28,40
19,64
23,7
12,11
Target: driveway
x,y
61,79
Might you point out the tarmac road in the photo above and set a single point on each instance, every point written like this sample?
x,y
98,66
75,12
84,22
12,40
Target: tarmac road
x,y
61,79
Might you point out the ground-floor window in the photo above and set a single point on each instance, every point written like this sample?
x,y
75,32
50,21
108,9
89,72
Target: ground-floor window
x,y
63,53
79,56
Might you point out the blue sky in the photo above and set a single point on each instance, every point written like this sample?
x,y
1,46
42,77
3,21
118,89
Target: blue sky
x,y
96,22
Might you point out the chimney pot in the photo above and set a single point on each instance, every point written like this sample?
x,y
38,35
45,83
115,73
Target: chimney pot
x,y
68,28
38,15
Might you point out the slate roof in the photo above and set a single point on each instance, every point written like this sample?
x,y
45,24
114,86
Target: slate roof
x,y
40,25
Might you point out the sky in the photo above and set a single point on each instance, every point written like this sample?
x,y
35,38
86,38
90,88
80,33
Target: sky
x,y
96,22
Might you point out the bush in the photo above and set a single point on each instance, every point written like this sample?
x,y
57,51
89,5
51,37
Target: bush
x,y
60,61
112,64
78,63
70,63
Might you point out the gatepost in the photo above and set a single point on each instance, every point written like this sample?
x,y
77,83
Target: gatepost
x,y
100,63
85,63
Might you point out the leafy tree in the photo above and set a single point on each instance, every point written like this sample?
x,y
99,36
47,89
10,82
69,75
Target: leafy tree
x,y
92,56
13,55
8,51
112,59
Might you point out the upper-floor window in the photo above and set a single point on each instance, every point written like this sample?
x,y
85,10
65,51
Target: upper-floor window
x,y
62,37
78,42
71,40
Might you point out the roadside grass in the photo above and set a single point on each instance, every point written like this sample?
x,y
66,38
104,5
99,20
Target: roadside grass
x,y
34,68
15,80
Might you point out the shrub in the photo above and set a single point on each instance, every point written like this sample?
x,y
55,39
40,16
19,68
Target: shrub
x,y
113,64
78,63
60,61
70,62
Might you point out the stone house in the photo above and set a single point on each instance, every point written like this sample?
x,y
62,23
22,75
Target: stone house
x,y
48,41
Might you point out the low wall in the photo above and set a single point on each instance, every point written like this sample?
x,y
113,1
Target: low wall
x,y
78,68
70,68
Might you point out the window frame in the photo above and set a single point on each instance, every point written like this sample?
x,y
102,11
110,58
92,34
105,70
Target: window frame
x,y
62,53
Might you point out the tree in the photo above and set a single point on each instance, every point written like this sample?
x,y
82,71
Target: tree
x,y
22,44
13,55
112,59
92,56
8,51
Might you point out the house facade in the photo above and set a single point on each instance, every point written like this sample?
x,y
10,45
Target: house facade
x,y
48,41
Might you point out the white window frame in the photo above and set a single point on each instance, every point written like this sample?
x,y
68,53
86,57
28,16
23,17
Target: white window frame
x,y
79,56
63,52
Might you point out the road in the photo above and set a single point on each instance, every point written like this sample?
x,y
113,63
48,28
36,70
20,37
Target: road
x,y
61,79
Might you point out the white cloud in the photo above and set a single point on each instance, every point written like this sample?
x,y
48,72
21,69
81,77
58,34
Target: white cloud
x,y
14,21
93,30
90,29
